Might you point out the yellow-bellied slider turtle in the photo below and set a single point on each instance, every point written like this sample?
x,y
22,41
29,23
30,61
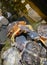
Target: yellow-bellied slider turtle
x,y
31,53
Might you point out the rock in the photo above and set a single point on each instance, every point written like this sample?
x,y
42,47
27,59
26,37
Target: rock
x,y
3,20
11,57
8,15
0,24
43,21
3,35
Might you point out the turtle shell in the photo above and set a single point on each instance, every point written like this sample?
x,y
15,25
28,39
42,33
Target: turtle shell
x,y
32,53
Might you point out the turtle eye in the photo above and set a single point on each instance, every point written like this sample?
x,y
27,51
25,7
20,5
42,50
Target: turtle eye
x,y
11,31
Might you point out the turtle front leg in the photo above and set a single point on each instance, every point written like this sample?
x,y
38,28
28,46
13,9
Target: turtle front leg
x,y
14,34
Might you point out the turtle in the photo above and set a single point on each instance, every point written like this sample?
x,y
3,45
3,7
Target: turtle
x,y
32,54
24,52
31,51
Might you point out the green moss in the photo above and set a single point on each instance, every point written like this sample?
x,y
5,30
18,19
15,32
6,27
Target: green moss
x,y
7,45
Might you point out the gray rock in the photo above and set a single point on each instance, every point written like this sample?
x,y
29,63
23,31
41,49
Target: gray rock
x,y
3,35
11,57
0,24
3,20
